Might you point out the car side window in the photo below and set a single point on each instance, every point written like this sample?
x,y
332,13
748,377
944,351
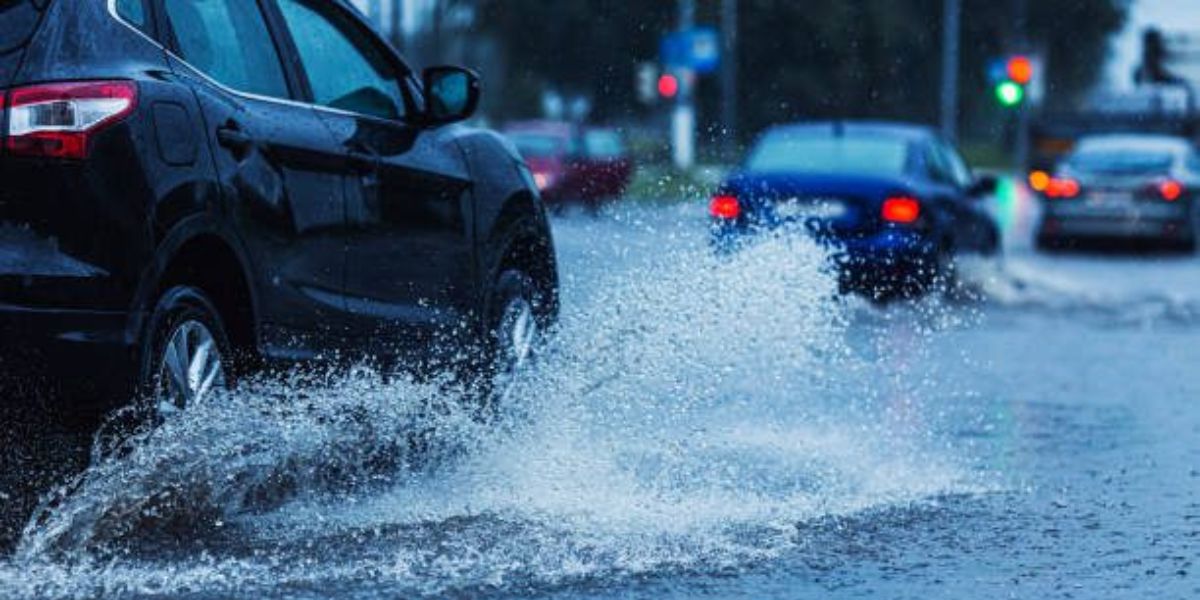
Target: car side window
x,y
1193,161
958,167
935,166
228,40
134,12
346,70
946,166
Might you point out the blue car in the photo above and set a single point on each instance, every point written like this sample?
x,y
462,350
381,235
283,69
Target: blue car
x,y
896,202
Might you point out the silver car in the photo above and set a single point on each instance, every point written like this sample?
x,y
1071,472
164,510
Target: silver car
x,y
1122,188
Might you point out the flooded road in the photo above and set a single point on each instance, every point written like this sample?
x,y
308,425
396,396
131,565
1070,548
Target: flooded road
x,y
696,429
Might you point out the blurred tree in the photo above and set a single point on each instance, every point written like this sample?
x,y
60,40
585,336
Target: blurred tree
x,y
799,60
574,47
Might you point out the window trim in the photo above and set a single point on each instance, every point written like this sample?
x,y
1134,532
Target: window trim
x,y
111,5
404,73
930,163
148,6
168,33
935,150
954,160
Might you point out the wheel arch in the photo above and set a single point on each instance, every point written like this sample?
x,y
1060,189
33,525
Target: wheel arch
x,y
523,241
199,254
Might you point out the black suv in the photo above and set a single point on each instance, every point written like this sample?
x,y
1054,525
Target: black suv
x,y
195,188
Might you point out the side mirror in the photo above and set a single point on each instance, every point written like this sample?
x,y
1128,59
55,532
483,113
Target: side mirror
x,y
451,94
985,185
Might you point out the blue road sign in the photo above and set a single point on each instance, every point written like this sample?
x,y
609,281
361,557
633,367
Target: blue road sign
x,y
698,49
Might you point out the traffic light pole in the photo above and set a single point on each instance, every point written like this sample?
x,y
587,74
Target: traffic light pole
x,y
951,40
683,119
1023,116
729,75
397,26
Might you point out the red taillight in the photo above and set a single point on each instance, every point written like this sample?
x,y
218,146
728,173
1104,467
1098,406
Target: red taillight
x,y
725,207
1170,190
901,209
57,120
1062,188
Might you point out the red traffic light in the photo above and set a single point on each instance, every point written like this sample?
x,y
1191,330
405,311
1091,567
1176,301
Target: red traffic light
x,y
1020,70
668,86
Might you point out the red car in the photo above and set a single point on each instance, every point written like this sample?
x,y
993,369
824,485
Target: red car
x,y
588,165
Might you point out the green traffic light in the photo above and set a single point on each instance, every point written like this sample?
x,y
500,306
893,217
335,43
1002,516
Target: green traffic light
x,y
1010,94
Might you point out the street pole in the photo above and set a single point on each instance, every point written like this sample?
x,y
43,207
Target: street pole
x,y
375,12
439,15
1023,116
683,120
729,75
397,26
951,42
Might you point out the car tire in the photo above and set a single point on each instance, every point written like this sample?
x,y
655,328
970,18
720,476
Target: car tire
x,y
184,358
1188,246
513,334
1046,244
995,242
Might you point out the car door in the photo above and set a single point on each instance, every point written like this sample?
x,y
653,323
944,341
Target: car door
x,y
279,169
410,256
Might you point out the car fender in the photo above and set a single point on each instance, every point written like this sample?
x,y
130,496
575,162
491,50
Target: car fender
x,y
507,206
185,231
520,229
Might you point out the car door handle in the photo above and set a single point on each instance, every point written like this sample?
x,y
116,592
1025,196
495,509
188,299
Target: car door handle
x,y
234,138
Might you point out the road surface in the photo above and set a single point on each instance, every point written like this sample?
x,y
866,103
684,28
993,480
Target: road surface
x,y
698,429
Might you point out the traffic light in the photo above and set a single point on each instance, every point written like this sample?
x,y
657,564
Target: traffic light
x,y
1020,70
668,86
1010,94
1011,78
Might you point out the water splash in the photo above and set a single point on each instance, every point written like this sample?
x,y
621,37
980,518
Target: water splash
x,y
687,415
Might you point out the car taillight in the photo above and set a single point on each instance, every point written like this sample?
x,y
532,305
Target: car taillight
x,y
1062,188
57,120
1170,190
901,209
725,207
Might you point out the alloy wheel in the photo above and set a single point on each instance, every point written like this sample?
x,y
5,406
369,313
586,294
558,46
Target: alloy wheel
x,y
517,336
190,369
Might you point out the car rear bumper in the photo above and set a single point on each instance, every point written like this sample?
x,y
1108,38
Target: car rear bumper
x,y
892,253
75,363
1168,229
889,243
1134,220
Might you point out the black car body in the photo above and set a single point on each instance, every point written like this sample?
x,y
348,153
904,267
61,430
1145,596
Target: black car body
x,y
896,201
275,157
1122,188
